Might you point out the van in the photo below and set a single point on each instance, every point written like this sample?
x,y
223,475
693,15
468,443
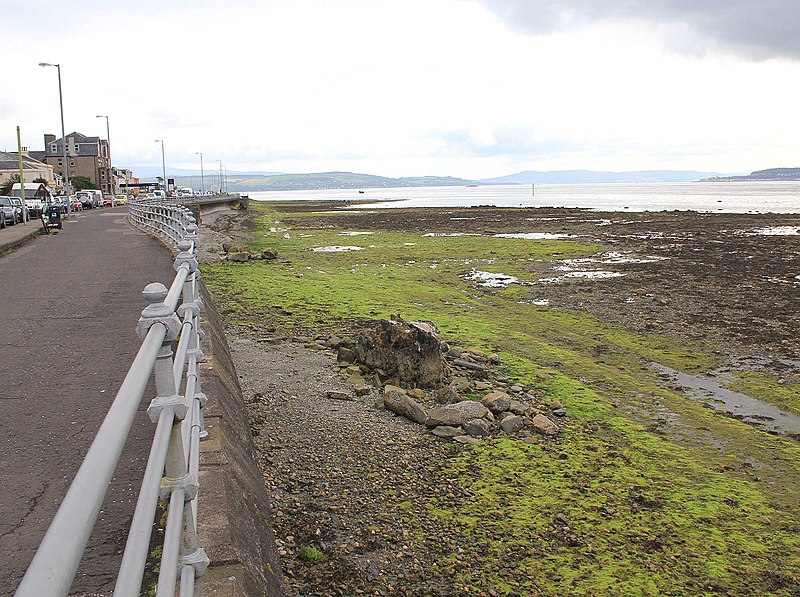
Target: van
x,y
90,198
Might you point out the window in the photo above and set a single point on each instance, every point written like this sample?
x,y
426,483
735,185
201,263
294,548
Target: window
x,y
77,148
60,162
71,162
54,148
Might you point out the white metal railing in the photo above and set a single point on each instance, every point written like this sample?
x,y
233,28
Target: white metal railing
x,y
172,468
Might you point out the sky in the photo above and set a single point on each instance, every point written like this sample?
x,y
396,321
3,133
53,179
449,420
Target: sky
x,y
467,88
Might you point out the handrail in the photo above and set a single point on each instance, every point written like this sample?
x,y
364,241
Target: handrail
x,y
172,470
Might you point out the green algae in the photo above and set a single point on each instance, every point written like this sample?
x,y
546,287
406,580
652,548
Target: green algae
x,y
658,495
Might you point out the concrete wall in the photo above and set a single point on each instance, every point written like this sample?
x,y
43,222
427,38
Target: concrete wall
x,y
235,519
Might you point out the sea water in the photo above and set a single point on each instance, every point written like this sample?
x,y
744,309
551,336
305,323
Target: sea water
x,y
724,197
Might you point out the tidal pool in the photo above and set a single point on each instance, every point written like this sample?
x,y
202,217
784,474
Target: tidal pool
x,y
738,405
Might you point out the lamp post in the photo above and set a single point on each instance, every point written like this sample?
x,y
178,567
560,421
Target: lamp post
x,y
202,177
63,139
110,171
220,177
163,164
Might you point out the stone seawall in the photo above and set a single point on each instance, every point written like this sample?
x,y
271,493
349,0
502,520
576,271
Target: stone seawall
x,y
235,520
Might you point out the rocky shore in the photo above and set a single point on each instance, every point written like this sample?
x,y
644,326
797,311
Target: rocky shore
x,y
360,458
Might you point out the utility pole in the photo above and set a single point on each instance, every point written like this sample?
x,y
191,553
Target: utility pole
x,y
21,179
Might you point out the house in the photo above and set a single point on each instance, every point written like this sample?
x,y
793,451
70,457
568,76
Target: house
x,y
31,168
87,156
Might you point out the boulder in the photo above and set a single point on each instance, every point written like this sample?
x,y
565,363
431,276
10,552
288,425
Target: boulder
x,y
337,395
497,402
447,432
396,400
476,427
408,351
544,425
362,389
467,439
518,408
512,424
269,253
446,395
345,355
239,257
455,415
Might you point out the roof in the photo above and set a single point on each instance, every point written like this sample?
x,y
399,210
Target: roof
x,y
88,145
10,161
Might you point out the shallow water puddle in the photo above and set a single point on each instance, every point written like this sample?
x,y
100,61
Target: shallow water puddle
x,y
490,280
589,275
336,249
535,235
773,231
611,258
355,233
738,405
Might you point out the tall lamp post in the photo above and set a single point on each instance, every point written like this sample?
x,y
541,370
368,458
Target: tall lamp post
x,y
163,164
67,188
110,171
220,177
202,177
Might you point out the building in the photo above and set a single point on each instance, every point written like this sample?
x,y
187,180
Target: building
x,y
31,169
87,156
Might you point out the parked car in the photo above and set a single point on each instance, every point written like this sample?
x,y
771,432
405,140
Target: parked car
x,y
19,209
35,207
121,199
8,217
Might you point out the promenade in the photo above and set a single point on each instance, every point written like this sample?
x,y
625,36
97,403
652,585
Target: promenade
x,y
69,304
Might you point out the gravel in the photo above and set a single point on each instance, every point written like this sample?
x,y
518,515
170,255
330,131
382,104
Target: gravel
x,y
346,479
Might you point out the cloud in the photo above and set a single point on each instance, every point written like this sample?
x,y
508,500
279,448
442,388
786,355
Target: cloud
x,y
757,30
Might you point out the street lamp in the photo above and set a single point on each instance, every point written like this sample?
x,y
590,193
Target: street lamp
x,y
202,178
110,171
220,177
63,139
163,164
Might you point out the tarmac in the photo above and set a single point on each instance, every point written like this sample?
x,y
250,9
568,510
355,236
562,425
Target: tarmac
x,y
69,304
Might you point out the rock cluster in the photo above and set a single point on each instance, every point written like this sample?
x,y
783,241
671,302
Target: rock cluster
x,y
245,253
464,399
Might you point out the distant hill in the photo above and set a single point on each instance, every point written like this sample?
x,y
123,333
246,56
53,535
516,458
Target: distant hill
x,y
591,176
334,180
770,174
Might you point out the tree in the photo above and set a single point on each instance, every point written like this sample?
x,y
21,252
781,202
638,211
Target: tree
x,y
5,188
39,179
79,183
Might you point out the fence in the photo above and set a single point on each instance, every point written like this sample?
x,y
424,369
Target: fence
x,y
172,467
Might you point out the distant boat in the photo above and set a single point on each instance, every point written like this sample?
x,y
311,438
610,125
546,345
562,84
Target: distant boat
x,y
472,185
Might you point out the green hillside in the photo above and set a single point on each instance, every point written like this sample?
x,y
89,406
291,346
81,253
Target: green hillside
x,y
333,180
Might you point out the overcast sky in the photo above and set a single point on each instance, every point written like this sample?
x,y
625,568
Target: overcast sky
x,y
470,88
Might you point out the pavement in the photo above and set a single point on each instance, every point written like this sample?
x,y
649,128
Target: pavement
x,y
69,304
15,236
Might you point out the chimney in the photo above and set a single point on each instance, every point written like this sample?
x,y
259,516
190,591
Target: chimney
x,y
25,152
48,139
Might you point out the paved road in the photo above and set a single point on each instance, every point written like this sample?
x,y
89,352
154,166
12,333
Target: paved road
x,y
68,309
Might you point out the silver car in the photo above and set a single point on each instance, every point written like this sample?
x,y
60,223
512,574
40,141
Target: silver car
x,y
7,212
